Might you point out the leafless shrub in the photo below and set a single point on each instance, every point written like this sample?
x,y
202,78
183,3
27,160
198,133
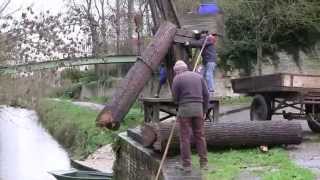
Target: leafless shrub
x,y
27,90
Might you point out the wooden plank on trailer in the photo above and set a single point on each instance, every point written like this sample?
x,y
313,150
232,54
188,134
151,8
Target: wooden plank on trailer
x,y
306,81
276,83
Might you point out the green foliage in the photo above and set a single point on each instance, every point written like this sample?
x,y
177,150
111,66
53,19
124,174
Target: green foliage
x,y
89,76
72,74
275,25
74,127
72,92
269,166
77,76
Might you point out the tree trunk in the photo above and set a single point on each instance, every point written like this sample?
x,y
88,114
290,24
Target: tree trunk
x,y
118,26
155,15
137,77
242,134
130,17
259,53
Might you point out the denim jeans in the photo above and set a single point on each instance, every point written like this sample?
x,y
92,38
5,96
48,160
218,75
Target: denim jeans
x,y
208,74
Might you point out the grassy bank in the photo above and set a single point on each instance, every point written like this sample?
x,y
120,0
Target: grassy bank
x,y
235,100
274,165
74,127
223,100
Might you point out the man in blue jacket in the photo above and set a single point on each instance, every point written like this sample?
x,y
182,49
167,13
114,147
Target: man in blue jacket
x,y
162,79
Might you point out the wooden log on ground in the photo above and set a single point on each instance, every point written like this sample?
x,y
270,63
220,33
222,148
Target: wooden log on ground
x,y
130,87
233,134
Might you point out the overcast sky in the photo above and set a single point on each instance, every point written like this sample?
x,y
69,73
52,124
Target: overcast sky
x,y
54,6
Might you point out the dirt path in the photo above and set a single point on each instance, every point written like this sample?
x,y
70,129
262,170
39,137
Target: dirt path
x,y
101,160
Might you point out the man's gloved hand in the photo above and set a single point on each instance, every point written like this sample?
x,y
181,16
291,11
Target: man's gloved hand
x,y
187,43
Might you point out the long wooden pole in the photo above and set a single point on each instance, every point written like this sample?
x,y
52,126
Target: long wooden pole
x,y
166,150
202,48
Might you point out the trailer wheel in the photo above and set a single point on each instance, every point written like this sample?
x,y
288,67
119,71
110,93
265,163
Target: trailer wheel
x,y
313,118
260,108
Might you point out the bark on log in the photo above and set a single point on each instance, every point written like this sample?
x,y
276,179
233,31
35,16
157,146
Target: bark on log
x,y
137,77
219,135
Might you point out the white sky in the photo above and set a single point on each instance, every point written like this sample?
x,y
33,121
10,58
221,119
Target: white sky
x,y
54,6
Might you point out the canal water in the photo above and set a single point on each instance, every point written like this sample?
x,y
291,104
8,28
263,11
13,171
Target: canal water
x,y
27,151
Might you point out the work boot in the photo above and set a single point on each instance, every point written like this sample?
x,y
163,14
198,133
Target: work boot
x,y
186,169
204,167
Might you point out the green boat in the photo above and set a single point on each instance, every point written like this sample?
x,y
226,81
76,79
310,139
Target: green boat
x,y
75,164
75,174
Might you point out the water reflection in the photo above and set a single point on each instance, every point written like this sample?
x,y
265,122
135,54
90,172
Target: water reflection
x,y
27,151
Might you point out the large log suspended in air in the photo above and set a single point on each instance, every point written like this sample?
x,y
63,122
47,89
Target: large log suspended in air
x,y
130,87
233,134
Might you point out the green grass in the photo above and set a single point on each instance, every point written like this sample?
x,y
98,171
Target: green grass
x,y
274,165
236,100
74,126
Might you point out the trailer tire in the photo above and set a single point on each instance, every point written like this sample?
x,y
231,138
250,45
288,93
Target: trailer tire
x,y
313,119
314,126
260,109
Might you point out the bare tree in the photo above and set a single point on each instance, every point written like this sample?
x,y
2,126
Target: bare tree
x,y
3,6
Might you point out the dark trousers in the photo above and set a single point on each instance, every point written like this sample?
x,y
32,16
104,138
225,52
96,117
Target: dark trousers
x,y
187,126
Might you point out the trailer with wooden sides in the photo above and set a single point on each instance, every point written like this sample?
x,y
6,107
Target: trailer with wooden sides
x,y
294,96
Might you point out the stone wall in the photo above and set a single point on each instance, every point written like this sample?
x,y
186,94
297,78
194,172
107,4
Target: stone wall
x,y
135,162
309,65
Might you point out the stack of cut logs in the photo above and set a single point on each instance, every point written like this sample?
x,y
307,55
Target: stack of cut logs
x,y
222,135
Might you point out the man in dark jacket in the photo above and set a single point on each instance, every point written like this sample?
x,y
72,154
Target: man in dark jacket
x,y
208,57
190,91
